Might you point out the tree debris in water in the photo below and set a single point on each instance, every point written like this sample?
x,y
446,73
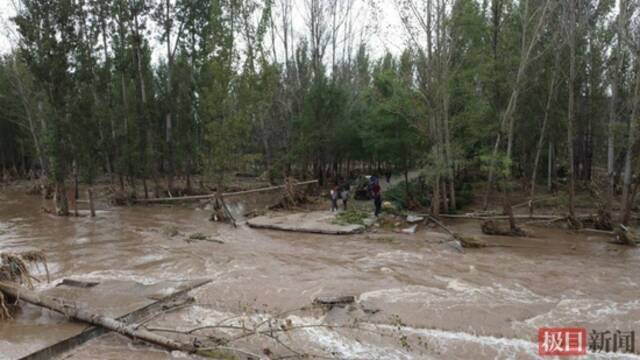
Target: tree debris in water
x,y
490,227
14,268
292,196
170,230
221,212
202,237
470,241
334,300
627,236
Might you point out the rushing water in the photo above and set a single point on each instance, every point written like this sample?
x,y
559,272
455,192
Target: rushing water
x,y
417,297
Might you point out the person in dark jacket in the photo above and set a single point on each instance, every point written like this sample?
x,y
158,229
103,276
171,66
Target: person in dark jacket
x,y
344,195
377,197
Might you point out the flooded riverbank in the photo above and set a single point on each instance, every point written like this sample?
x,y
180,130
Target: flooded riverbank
x,y
416,296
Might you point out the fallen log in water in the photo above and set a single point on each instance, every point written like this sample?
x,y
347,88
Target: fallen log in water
x,y
462,240
224,195
73,311
506,217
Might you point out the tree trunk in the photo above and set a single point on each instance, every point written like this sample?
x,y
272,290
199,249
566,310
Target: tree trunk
x,y
74,311
571,109
60,199
627,198
92,208
550,166
547,111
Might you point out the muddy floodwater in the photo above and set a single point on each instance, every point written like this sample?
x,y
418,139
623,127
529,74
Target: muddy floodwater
x,y
417,297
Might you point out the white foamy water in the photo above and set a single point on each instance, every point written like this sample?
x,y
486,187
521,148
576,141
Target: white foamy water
x,y
588,311
380,341
456,291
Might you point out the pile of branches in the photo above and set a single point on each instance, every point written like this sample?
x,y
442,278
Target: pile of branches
x,y
14,267
292,195
221,212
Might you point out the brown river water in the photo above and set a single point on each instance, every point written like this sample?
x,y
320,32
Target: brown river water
x,y
416,296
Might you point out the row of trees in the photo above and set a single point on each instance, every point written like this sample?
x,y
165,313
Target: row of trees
x,y
145,91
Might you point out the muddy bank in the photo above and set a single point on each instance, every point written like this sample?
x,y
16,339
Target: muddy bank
x,y
485,303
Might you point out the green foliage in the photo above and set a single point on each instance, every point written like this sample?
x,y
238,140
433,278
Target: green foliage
x,y
84,88
406,197
351,216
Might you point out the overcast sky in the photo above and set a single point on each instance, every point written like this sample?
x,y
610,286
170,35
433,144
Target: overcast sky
x,y
382,32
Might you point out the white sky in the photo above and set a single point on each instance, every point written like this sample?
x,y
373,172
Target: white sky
x,y
386,35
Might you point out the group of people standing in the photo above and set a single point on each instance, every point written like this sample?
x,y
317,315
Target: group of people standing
x,y
374,190
335,195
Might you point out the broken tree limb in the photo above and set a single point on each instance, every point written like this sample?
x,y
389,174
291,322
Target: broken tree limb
x,y
227,194
73,311
462,240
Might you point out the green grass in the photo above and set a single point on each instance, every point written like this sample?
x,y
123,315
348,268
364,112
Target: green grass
x,y
351,216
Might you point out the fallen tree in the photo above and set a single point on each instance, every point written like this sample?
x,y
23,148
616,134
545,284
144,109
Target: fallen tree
x,y
224,195
73,311
474,216
463,240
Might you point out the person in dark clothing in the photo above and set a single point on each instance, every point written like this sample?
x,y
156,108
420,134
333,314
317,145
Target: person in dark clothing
x,y
377,197
344,195
387,175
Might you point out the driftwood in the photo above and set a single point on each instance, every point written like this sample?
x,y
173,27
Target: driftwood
x,y
73,311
